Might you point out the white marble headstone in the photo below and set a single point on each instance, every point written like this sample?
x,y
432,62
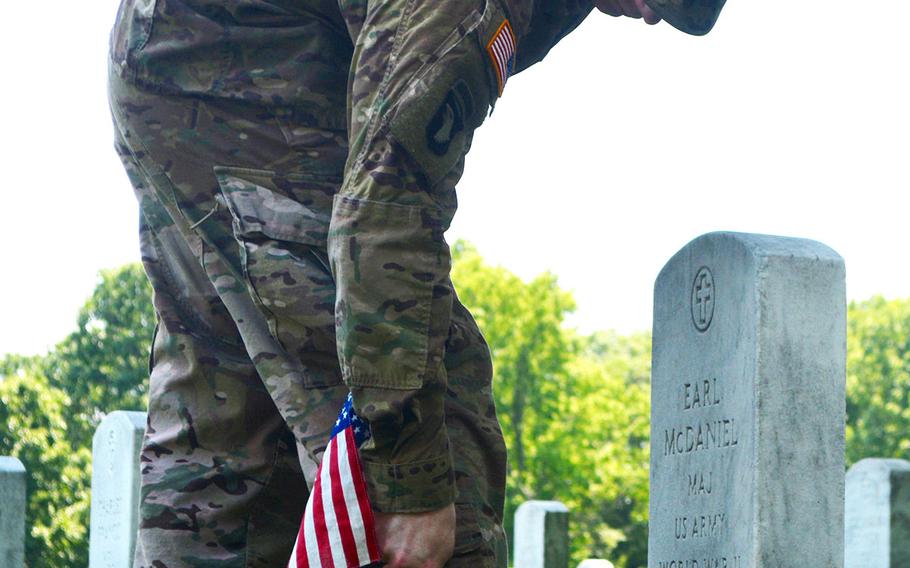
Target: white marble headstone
x,y
115,489
878,514
12,513
595,563
541,535
747,418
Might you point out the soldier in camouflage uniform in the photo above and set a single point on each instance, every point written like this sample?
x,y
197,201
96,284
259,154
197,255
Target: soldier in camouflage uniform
x,y
295,163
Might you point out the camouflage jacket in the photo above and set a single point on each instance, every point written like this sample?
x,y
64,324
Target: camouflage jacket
x,y
293,56
230,49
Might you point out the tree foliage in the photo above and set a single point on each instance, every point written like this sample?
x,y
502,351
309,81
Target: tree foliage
x,y
607,413
574,410
51,406
103,365
33,428
522,323
878,379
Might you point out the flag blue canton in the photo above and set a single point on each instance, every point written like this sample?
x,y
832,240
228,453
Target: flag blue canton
x,y
349,419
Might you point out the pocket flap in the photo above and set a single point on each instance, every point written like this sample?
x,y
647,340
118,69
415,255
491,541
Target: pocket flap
x,y
285,207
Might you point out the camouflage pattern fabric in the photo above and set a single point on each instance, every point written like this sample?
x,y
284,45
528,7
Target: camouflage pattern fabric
x,y
295,165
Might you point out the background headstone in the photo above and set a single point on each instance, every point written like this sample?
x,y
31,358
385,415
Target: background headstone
x,y
115,489
12,513
747,416
595,563
878,514
541,535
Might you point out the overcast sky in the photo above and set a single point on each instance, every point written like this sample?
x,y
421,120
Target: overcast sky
x,y
628,141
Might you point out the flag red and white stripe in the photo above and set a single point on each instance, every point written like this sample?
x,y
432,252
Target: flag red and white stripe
x,y
337,530
502,51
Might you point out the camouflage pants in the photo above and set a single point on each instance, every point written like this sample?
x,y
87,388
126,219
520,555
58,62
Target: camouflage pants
x,y
253,221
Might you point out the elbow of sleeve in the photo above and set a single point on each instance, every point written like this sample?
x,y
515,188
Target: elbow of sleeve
x,y
393,294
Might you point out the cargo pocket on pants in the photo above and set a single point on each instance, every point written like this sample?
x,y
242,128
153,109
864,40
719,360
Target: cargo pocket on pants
x,y
387,259
281,223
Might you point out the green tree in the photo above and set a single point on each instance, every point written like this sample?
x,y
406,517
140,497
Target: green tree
x,y
574,410
103,365
53,403
522,323
607,429
33,428
878,379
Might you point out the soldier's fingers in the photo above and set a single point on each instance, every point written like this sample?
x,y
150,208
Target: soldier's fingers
x,y
629,8
647,13
609,7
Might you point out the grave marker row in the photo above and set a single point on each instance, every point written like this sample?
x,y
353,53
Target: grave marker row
x,y
747,428
878,514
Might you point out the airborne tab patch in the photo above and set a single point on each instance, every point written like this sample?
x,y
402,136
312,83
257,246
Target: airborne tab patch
x,y
502,51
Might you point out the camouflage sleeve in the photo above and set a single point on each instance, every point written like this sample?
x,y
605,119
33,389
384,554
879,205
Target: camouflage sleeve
x,y
422,81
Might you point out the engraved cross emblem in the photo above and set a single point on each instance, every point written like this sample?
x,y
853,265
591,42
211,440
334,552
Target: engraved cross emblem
x,y
703,299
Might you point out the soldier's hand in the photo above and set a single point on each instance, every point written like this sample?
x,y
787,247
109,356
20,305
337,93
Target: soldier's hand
x,y
416,540
629,8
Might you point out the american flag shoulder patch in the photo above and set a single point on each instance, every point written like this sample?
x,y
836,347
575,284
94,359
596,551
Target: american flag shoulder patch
x,y
502,51
338,530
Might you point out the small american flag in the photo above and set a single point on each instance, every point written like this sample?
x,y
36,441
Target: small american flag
x,y
337,530
502,50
